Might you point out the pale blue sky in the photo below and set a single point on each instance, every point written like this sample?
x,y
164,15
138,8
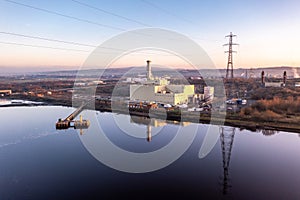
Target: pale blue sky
x,y
268,31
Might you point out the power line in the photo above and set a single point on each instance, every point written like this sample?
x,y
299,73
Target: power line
x,y
48,47
71,42
110,13
178,17
46,39
60,41
77,50
40,46
66,42
135,21
71,17
66,16
88,21
165,11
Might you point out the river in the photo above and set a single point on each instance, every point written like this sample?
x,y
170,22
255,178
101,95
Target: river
x,y
122,157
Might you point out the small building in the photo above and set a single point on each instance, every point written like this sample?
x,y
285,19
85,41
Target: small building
x,y
95,83
80,84
5,92
274,84
135,80
40,95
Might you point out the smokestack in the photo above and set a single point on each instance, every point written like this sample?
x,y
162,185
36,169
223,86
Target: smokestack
x,y
149,74
284,78
263,77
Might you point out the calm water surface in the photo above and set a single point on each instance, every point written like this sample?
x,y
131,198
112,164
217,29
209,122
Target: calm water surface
x,y
39,162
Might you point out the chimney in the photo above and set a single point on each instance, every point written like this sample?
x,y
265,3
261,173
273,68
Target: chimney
x,y
149,74
263,77
284,78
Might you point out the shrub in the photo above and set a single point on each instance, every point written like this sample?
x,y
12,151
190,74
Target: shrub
x,y
246,111
269,116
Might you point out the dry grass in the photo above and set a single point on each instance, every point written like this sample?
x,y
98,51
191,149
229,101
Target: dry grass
x,y
273,110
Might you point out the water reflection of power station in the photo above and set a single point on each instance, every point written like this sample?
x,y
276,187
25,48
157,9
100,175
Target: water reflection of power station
x,y
226,139
69,121
152,122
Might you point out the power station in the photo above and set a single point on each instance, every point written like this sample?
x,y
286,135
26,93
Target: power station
x,y
159,90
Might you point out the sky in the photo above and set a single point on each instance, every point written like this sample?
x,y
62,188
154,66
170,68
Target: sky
x,y
267,31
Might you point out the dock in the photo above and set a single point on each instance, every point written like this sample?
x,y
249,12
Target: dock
x,y
69,121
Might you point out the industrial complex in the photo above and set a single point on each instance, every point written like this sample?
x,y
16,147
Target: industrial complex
x,y
161,91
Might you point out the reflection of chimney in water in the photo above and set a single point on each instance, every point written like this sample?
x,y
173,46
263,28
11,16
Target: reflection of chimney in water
x,y
149,135
149,73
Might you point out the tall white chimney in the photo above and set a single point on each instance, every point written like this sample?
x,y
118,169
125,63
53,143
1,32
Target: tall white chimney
x,y
149,74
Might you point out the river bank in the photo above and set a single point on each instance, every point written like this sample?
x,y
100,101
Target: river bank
x,y
228,119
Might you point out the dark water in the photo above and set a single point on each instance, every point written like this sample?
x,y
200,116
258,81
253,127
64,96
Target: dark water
x,y
39,162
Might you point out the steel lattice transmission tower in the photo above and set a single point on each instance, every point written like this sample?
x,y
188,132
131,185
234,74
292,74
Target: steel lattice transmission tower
x,y
230,58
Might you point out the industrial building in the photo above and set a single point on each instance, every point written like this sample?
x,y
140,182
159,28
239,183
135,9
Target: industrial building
x,y
159,90
273,84
5,92
166,94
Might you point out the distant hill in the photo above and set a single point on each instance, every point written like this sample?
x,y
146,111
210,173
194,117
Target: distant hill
x,y
157,71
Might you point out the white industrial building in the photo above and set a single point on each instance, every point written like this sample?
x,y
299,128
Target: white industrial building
x,y
159,90
5,92
274,84
166,94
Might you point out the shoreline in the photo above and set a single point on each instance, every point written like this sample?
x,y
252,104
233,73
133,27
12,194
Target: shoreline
x,y
193,117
